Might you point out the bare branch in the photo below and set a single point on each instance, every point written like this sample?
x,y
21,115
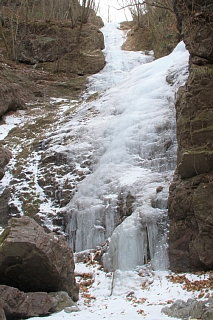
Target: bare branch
x,y
153,4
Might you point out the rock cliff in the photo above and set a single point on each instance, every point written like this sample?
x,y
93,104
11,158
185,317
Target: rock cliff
x,y
190,199
46,57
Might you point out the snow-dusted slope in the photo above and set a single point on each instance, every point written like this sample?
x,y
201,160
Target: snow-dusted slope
x,y
123,141
115,151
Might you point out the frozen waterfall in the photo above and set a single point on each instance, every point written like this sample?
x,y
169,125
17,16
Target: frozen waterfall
x,y
127,135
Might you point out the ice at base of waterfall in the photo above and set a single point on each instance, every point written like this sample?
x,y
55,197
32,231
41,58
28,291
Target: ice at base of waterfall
x,y
124,295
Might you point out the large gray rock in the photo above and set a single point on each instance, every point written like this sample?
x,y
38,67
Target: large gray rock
x,y
191,309
32,260
60,301
12,96
208,314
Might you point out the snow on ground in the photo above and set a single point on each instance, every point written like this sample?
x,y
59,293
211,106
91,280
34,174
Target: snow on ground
x,y
138,294
9,122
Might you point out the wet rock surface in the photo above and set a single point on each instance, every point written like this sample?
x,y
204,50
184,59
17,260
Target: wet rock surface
x,y
32,260
190,199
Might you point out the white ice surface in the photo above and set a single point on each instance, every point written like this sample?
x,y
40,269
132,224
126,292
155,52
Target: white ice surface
x,y
129,132
118,62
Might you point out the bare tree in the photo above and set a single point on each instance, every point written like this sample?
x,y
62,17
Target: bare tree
x,y
3,36
86,7
146,3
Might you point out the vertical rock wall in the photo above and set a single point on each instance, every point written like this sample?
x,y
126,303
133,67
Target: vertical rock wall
x,y
191,193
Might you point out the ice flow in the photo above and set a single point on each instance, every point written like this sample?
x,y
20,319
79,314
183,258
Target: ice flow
x,y
128,135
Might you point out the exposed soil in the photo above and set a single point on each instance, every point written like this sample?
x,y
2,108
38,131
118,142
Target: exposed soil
x,y
144,38
138,38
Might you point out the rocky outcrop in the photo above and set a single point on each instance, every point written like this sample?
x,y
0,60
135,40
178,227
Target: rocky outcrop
x,y
5,156
49,57
57,47
60,301
190,199
32,260
191,309
16,304
12,96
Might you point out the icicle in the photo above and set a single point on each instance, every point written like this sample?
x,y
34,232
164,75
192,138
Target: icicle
x,y
136,242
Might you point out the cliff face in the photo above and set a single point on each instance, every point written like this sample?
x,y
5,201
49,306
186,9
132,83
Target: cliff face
x,y
51,58
190,199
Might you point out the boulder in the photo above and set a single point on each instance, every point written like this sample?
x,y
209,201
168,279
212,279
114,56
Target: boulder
x,y
208,314
17,304
12,96
32,260
60,301
191,309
